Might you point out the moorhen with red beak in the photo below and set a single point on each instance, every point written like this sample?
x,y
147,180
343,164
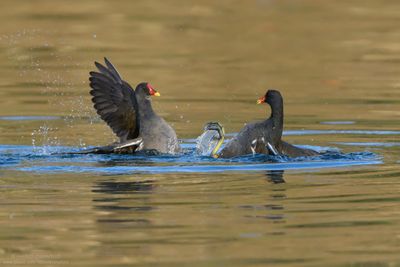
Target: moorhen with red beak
x,y
264,137
129,114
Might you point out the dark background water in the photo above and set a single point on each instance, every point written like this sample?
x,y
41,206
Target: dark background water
x,y
337,66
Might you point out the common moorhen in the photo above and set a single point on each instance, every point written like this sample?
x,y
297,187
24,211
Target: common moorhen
x,y
129,113
264,137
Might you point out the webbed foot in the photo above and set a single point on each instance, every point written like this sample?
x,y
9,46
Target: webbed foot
x,y
211,139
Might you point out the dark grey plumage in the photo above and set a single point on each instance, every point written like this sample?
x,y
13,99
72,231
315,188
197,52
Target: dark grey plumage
x,y
294,151
253,138
129,112
115,101
270,130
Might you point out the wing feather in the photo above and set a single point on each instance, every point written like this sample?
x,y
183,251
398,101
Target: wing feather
x,y
115,101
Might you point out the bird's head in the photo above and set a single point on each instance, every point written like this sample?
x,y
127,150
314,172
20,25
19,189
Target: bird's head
x,y
270,97
146,89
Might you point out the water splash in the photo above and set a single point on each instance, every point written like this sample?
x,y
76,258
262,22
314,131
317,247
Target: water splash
x,y
206,143
42,64
42,141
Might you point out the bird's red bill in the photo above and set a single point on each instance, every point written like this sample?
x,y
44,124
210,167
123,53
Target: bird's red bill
x,y
261,100
152,91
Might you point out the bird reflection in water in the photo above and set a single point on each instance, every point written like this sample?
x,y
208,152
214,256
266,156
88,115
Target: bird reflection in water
x,y
123,210
139,159
275,176
272,208
278,194
123,202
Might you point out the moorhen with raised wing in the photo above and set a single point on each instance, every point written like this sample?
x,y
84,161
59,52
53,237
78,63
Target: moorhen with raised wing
x,y
129,114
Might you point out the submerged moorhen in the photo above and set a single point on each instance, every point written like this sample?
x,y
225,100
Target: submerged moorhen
x,y
264,137
129,113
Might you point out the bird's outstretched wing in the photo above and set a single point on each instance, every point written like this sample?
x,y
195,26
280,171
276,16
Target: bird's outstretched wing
x,y
115,101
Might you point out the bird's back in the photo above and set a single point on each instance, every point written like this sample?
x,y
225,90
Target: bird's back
x,y
241,144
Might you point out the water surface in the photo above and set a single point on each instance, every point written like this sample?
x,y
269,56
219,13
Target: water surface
x,y
336,64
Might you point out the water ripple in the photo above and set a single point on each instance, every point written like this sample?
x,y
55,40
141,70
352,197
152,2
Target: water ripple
x,y
34,159
28,118
318,132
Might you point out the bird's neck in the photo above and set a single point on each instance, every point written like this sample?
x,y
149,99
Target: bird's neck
x,y
145,109
277,119
277,116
